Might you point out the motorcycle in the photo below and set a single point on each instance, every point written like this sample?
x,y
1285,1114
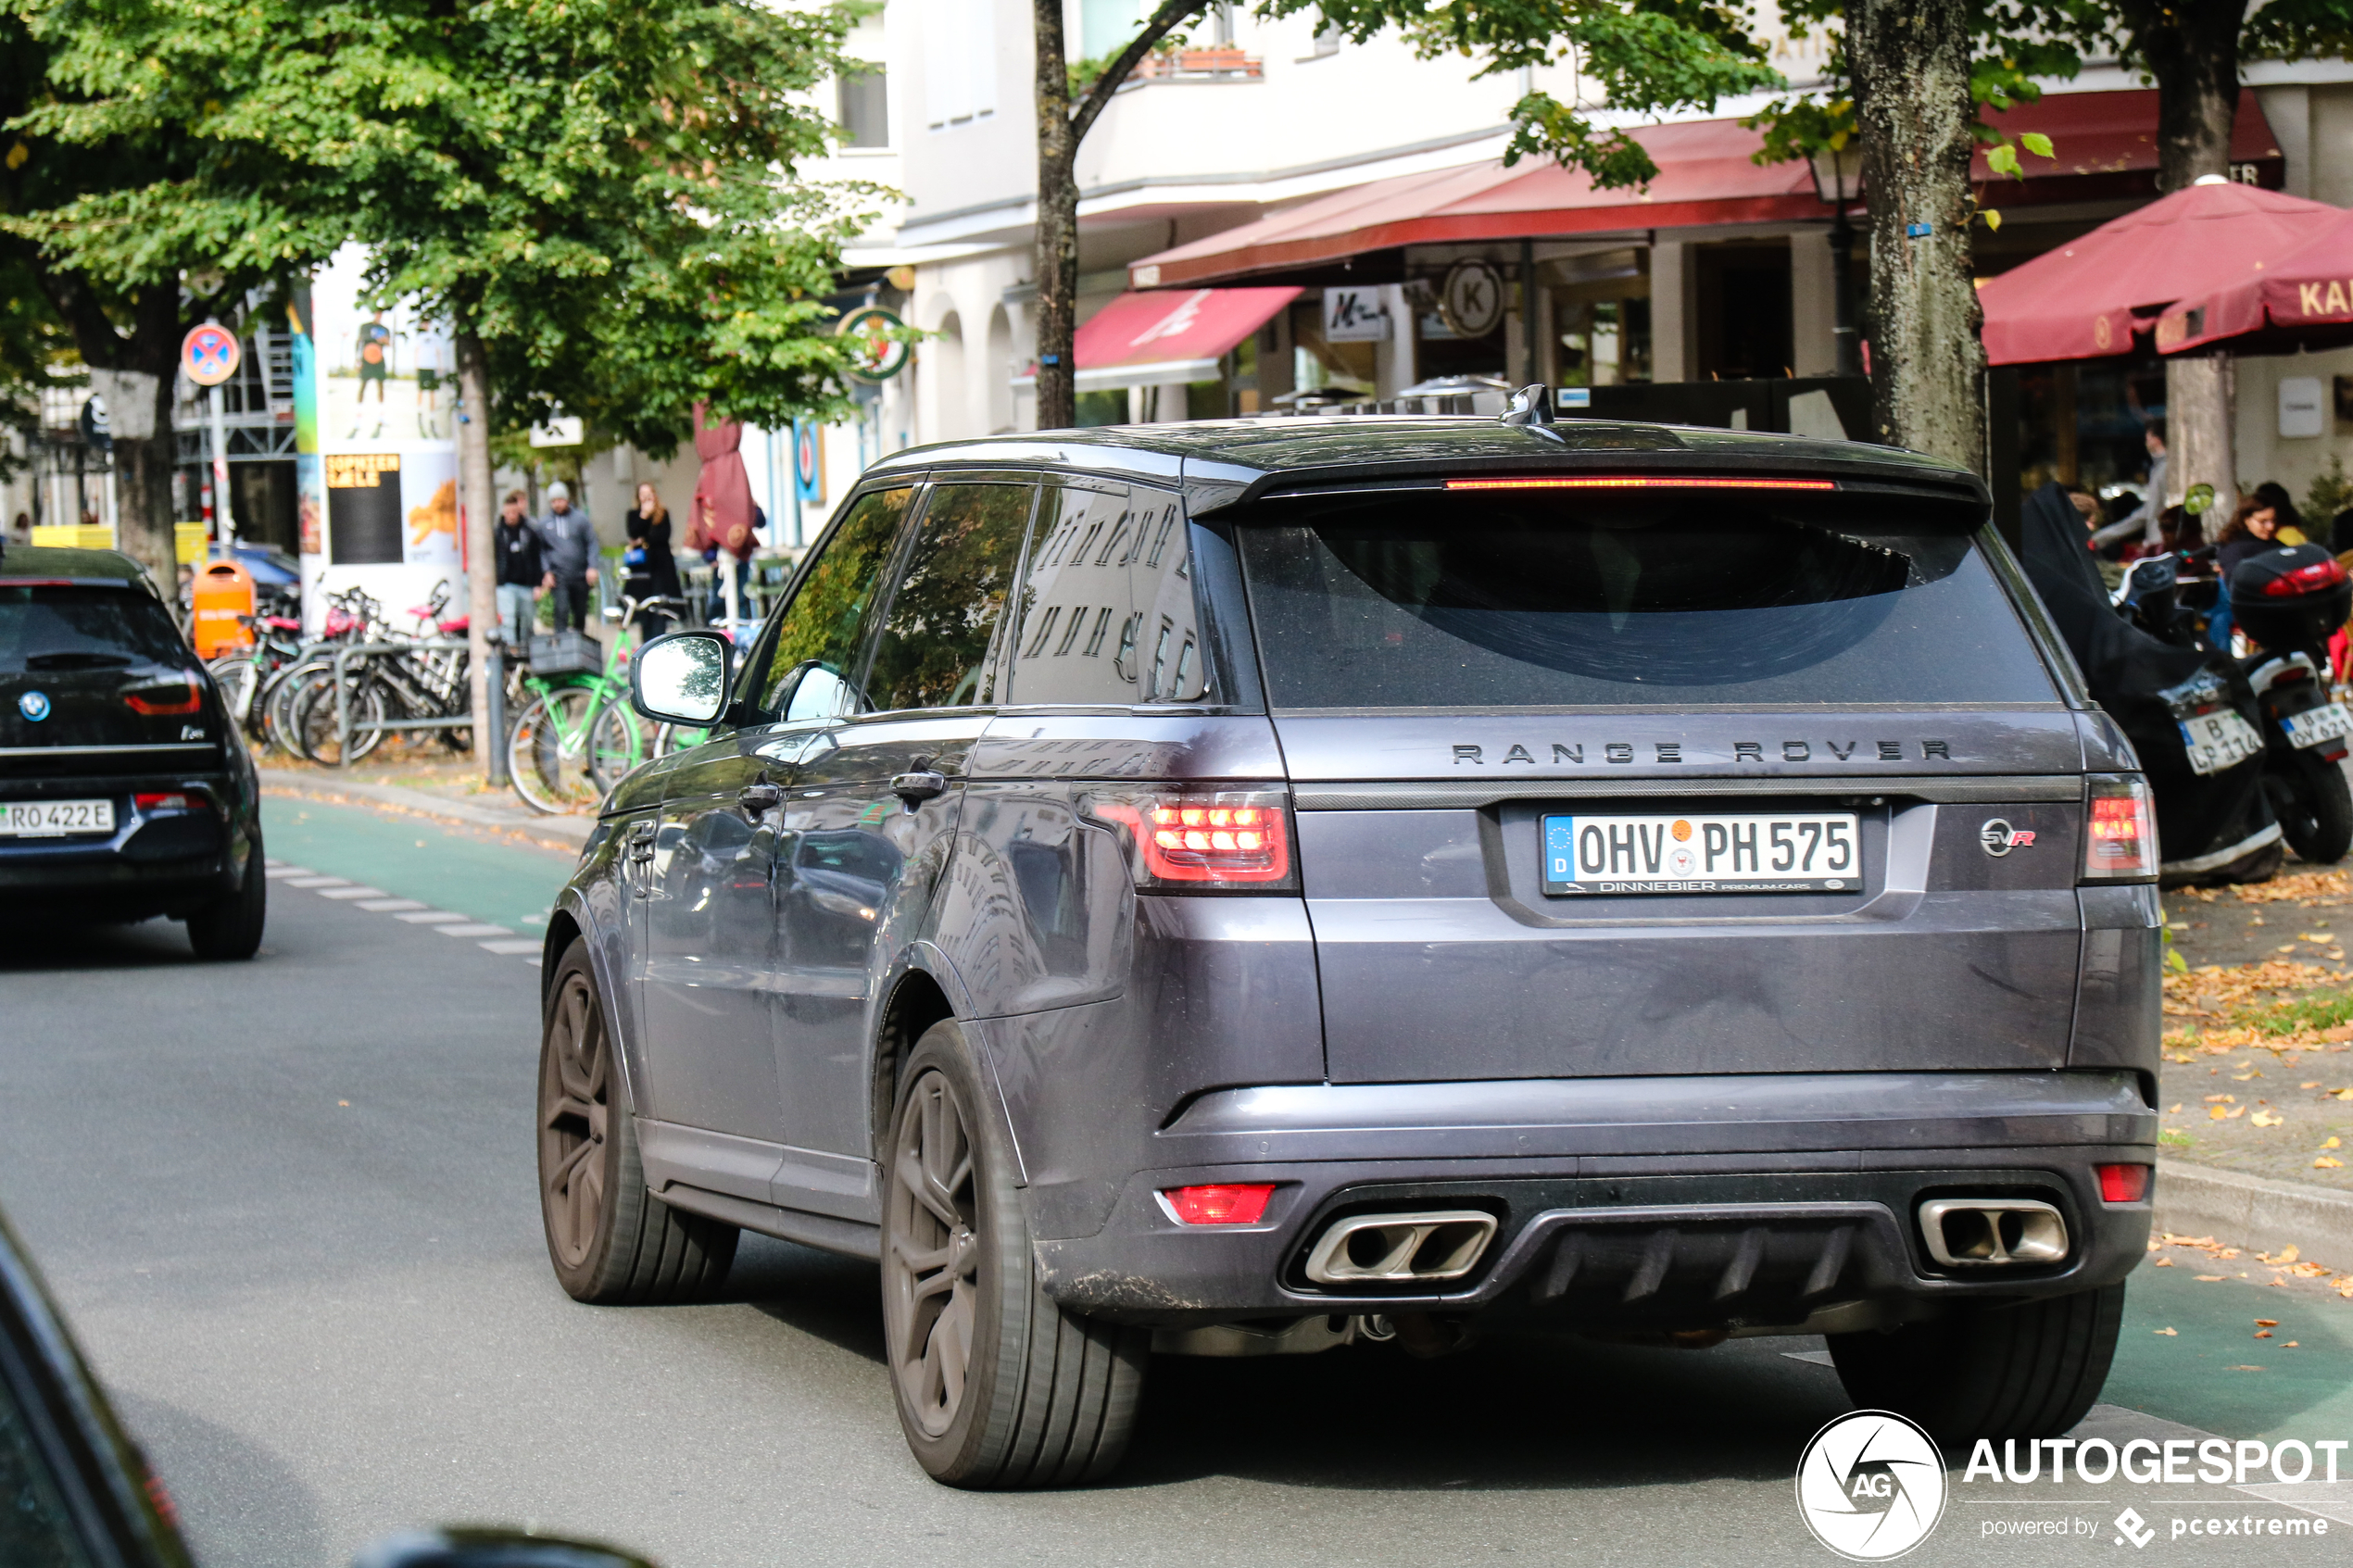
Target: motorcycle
x,y
2289,602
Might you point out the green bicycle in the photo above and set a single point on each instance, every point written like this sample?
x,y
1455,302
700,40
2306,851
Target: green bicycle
x,y
577,736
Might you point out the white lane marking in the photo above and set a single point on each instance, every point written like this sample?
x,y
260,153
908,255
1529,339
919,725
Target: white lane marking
x,y
537,963
1819,1358
476,930
281,869
432,917
387,906
319,882
269,861
353,893
512,945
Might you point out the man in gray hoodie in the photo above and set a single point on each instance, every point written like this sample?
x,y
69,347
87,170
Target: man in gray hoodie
x,y
569,543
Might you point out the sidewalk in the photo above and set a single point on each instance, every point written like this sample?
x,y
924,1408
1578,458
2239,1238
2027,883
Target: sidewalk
x,y
450,792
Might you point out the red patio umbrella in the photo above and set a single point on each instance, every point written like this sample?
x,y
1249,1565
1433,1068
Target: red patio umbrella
x,y
2086,299
2276,304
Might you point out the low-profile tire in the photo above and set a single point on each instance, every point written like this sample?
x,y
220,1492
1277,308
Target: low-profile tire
x,y
997,1386
611,1241
2025,1370
230,928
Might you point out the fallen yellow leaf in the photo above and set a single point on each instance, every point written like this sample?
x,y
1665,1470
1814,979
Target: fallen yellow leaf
x,y
2169,1333
2325,1163
2234,1112
2267,1323
2217,1112
2227,1099
2265,1119
2311,1085
2334,1143
2211,1279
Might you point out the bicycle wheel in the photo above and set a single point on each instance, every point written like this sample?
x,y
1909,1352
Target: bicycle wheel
x,y
616,743
548,753
237,676
314,719
275,702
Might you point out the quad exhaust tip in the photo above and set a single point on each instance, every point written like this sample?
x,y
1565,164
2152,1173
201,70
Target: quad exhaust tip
x,y
1401,1248
1992,1232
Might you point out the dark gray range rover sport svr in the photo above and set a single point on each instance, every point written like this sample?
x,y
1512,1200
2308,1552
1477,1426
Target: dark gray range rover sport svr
x,y
1253,886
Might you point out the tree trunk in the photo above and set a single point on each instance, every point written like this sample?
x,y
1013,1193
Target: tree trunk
x,y
1912,99
1057,258
482,564
2193,51
135,376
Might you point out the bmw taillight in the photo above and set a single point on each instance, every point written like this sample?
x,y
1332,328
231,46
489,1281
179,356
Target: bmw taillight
x,y
1182,841
2120,829
153,701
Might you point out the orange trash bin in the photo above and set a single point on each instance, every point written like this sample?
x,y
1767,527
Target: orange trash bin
x,y
223,592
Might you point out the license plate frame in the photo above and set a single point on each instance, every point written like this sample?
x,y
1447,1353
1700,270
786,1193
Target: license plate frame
x,y
55,818
1683,853
2317,726
2227,740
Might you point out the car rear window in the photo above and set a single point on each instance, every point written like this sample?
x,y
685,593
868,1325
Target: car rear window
x,y
1552,598
50,627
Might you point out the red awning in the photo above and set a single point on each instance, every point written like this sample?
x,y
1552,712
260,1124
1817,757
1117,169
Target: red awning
x,y
2087,299
2277,303
1175,335
2107,145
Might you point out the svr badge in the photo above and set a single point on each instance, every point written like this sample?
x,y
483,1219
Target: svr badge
x,y
1998,839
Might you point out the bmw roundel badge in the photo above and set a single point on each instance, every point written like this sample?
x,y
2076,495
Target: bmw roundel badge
x,y
34,706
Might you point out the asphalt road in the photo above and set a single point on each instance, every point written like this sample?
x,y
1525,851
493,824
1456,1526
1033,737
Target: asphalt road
x,y
289,1207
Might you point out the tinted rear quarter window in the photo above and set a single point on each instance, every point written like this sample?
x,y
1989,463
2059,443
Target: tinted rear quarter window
x,y
1107,615
1552,598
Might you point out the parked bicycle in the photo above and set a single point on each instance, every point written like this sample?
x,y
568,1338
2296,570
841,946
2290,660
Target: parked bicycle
x,y
576,735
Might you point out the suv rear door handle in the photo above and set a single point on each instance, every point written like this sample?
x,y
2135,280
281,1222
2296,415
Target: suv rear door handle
x,y
916,788
758,798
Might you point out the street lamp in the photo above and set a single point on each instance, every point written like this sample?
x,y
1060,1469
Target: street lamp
x,y
1838,180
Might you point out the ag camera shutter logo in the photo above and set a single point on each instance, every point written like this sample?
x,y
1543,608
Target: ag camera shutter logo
x,y
1871,1486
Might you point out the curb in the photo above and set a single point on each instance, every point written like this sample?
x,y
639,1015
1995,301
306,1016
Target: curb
x,y
561,833
2256,1212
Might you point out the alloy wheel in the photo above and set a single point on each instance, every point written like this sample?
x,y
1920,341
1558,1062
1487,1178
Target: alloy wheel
x,y
575,1110
931,1258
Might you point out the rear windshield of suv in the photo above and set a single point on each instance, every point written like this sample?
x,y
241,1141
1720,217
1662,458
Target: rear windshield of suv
x,y
50,628
1551,598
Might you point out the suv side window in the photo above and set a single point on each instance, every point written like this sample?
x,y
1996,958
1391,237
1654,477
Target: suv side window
x,y
802,668
1107,602
938,645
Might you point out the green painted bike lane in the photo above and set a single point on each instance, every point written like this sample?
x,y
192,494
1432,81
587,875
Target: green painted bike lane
x,y
411,858
2213,1373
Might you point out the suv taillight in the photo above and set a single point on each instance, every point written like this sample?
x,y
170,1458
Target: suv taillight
x,y
1182,841
2120,829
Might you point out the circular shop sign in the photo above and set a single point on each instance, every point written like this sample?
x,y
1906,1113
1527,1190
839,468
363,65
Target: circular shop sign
x,y
209,353
1471,300
879,355
1871,1486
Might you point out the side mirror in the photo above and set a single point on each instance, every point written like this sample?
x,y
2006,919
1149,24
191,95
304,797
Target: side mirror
x,y
682,679
489,1548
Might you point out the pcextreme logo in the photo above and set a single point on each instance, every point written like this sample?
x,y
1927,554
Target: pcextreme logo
x,y
1871,1486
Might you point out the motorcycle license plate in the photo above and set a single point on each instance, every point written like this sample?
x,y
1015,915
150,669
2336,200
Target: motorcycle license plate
x,y
1665,852
2219,740
2317,724
55,819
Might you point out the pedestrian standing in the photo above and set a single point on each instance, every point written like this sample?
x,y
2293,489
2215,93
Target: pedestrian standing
x,y
2272,494
2145,519
2252,530
522,567
570,542
652,568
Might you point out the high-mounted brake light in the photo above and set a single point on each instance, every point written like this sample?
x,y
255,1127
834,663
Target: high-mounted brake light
x,y
156,701
2119,830
1183,840
1638,481
1227,1203
2312,579
2122,1184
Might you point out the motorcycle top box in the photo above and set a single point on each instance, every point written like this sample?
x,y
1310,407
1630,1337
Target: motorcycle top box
x,y
2296,597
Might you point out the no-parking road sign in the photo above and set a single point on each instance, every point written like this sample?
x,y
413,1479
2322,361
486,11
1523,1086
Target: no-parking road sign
x,y
210,355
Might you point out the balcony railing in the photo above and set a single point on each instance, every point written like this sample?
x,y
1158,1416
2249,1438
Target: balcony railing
x,y
1200,64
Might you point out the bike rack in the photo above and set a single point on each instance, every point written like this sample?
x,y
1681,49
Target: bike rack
x,y
345,655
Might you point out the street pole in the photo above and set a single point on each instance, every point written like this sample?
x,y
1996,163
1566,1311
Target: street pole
x,y
225,521
1842,333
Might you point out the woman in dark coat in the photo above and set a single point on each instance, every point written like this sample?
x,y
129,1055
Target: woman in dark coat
x,y
652,568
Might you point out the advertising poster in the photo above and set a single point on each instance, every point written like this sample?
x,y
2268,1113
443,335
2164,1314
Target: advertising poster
x,y
382,484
